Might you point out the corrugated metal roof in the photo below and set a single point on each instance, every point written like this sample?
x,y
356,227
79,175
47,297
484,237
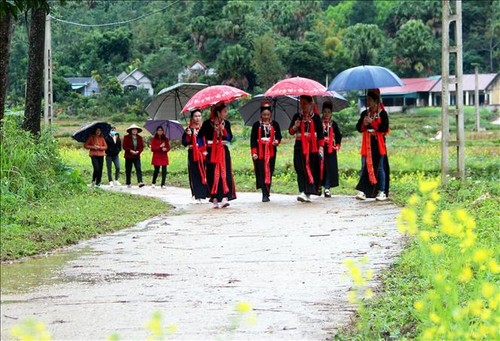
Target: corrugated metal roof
x,y
469,82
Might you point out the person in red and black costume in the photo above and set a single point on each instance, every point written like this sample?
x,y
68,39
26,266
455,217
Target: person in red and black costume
x,y
307,128
264,139
196,157
333,138
373,124
217,133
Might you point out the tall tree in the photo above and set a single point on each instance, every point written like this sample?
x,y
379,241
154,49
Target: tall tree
x,y
6,26
417,50
363,42
34,80
266,62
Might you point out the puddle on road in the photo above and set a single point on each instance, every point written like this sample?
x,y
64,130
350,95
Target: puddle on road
x,y
22,277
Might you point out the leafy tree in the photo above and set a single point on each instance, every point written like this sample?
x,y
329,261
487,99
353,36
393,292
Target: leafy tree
x,y
416,49
363,42
363,12
232,65
266,62
162,67
306,60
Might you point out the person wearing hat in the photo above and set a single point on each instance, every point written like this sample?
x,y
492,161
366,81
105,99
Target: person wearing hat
x,y
216,131
373,124
133,146
196,157
333,138
96,144
307,128
264,139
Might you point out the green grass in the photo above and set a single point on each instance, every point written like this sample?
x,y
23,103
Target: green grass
x,y
413,158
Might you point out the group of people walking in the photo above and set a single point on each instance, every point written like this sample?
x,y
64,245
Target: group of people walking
x,y
317,141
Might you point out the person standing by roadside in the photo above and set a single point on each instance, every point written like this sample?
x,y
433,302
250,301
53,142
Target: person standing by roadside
x,y
133,145
373,124
217,133
264,139
112,156
307,128
160,147
333,138
96,144
196,157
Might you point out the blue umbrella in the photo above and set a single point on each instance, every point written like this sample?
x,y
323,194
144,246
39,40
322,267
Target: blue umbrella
x,y
82,134
365,77
173,129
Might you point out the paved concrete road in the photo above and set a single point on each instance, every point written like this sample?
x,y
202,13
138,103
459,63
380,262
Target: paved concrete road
x,y
283,257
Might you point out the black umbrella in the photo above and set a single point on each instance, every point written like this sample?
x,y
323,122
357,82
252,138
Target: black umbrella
x,y
169,102
82,134
284,107
173,129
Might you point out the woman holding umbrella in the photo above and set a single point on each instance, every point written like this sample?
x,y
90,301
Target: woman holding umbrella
x,y
373,124
333,138
159,146
196,157
217,133
307,128
96,144
265,137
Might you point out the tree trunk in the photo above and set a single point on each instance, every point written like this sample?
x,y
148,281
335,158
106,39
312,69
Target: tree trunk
x,y
6,26
34,80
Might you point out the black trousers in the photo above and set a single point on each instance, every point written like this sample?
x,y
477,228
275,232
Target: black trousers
x,y
97,163
128,170
163,174
110,160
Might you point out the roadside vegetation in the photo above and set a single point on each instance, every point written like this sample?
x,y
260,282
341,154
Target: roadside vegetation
x,y
437,283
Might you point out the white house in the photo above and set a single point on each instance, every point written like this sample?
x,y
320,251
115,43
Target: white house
x,y
193,71
135,80
85,86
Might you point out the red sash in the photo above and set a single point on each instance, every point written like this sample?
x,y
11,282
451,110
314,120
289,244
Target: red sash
x,y
266,152
218,158
198,157
309,144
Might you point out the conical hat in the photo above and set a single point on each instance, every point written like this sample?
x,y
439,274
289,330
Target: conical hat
x,y
134,126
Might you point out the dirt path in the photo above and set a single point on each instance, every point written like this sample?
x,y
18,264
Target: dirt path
x,y
283,257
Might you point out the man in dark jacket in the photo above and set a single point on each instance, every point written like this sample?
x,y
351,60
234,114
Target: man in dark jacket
x,y
114,148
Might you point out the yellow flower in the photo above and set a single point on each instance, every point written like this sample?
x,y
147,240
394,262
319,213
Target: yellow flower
x,y
494,267
487,290
481,255
369,275
243,307
425,235
434,196
429,334
466,274
352,296
447,223
469,240
368,293
439,278
434,318
348,262
494,302
418,305
476,307
437,249
413,200
485,314
427,186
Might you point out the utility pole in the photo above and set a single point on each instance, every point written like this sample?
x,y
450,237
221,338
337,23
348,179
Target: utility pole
x,y
48,98
452,17
476,98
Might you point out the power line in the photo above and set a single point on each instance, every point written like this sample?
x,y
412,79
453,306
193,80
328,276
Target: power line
x,y
114,23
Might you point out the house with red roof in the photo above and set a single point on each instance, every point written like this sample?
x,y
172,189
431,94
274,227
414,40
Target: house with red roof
x,y
423,92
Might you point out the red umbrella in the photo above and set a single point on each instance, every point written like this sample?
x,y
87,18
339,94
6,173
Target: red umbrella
x,y
212,95
296,86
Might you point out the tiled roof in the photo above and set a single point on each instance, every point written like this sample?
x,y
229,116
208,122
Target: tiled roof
x,y
411,85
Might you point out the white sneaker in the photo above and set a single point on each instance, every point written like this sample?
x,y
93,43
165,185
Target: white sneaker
x,y
361,196
381,196
111,184
198,201
129,186
153,185
163,187
117,183
302,197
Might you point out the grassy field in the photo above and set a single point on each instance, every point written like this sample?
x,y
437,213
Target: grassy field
x,y
445,284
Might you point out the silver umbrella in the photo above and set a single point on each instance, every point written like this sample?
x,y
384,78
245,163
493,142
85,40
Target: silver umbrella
x,y
167,105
